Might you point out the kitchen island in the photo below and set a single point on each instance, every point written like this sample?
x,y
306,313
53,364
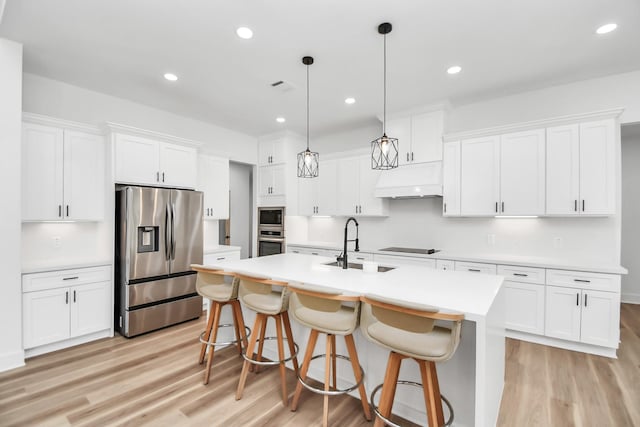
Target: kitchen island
x,y
472,380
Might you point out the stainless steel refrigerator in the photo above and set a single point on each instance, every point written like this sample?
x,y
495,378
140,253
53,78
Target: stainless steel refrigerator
x,y
158,237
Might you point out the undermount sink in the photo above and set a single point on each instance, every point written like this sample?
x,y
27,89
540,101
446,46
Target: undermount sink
x,y
381,268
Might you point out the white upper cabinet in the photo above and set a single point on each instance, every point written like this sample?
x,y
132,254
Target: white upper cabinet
x,y
145,161
451,179
419,137
272,180
317,196
522,173
581,169
213,181
356,185
62,174
480,176
271,152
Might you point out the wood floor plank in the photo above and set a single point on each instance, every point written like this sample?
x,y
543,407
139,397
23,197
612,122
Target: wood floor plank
x,y
155,380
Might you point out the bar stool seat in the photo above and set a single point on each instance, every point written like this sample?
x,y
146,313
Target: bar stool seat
x,y
213,283
268,298
328,311
409,331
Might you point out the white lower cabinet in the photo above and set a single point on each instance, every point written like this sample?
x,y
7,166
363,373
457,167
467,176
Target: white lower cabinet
x,y
475,267
524,307
54,311
213,258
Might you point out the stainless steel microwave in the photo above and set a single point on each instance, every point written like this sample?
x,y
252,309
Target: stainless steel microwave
x,y
271,217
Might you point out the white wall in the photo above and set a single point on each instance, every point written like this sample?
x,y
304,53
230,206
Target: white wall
x,y
11,354
631,212
65,101
241,206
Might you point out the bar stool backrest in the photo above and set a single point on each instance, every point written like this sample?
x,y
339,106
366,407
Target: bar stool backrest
x,y
208,276
259,293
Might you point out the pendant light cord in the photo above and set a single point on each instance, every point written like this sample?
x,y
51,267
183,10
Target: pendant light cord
x,y
384,106
307,108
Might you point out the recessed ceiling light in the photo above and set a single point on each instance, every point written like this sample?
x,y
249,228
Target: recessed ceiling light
x,y
171,77
280,119
244,33
454,70
350,101
607,28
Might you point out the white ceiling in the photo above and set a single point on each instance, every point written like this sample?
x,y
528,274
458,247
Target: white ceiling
x,y
123,47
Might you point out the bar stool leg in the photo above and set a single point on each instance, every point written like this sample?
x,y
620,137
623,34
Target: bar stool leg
x,y
431,389
240,323
213,336
236,329
287,330
283,368
260,319
327,373
263,329
389,387
355,364
311,344
207,334
333,363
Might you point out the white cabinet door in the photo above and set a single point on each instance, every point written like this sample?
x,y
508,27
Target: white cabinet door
x,y
137,160
178,166
271,152
83,176
426,137
451,179
368,178
400,128
600,318
476,267
522,173
597,164
480,170
524,307
90,308
278,174
42,172
307,196
327,188
265,181
46,316
562,313
563,170
348,193
213,181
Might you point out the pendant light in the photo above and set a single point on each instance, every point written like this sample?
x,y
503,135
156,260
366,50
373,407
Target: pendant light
x,y
384,150
307,159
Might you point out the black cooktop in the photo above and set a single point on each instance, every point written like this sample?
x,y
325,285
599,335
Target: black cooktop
x,y
411,250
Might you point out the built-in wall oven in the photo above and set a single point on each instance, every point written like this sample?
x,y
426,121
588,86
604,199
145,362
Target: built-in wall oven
x,y
271,238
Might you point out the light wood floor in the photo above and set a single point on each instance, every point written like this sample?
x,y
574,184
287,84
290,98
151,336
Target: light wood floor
x,y
156,380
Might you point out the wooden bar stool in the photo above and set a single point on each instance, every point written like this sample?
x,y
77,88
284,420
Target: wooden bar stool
x,y
409,331
323,310
268,298
211,284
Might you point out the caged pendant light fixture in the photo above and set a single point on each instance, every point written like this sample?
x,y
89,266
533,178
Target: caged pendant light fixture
x,y
307,159
384,150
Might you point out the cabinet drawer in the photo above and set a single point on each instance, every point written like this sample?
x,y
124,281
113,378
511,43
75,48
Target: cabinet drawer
x,y
445,264
392,260
63,278
476,267
522,274
221,256
584,280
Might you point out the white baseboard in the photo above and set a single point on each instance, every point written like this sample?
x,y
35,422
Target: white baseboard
x,y
567,345
630,298
47,348
12,360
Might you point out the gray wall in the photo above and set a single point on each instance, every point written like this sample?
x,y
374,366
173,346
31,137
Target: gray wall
x,y
631,212
241,206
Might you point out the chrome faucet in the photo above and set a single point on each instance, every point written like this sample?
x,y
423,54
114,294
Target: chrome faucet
x,y
343,258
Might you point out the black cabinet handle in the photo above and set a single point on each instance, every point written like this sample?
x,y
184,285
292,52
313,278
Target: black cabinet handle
x,y
585,299
157,176
412,156
74,296
578,299
67,210
221,258
60,210
496,207
475,270
502,207
521,274
70,278
582,280
582,205
66,297
407,156
162,176
575,205
445,208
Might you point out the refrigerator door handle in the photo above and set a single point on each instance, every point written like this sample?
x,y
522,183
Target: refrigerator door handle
x,y
167,252
173,235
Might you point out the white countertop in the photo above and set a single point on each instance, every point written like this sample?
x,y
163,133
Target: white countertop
x,y
220,248
462,292
55,267
595,266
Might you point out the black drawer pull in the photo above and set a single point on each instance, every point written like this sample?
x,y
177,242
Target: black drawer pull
x,y
475,270
70,278
521,274
221,258
582,280
316,253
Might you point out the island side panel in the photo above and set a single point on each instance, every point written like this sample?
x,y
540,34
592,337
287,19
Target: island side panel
x,y
490,362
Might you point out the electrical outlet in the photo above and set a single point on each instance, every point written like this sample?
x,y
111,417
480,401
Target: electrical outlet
x,y
57,241
557,242
491,239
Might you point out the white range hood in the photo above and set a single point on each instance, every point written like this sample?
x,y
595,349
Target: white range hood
x,y
410,181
